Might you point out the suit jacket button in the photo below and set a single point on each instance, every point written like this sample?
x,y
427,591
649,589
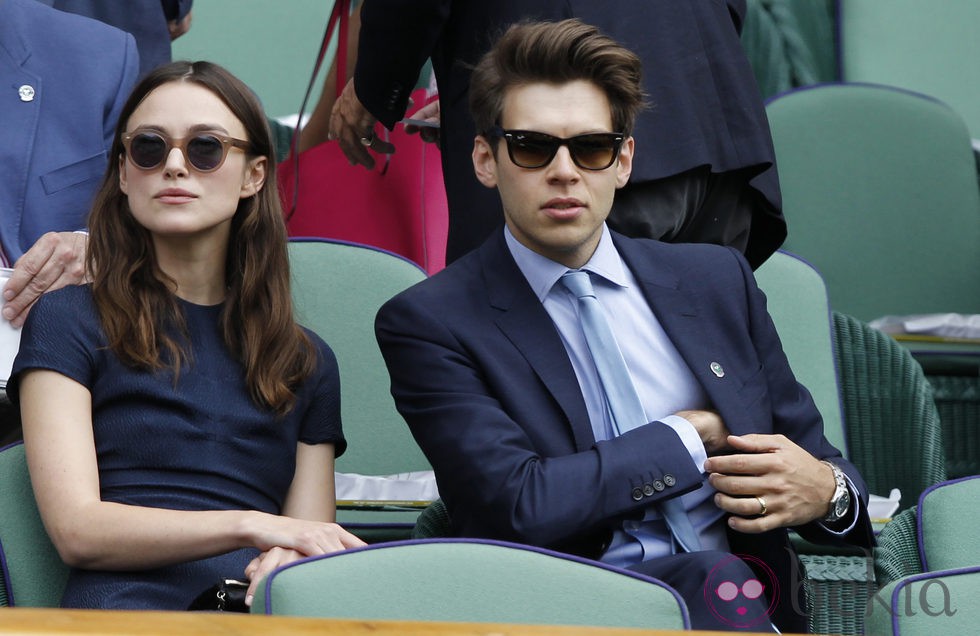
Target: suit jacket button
x,y
669,480
637,494
648,489
658,485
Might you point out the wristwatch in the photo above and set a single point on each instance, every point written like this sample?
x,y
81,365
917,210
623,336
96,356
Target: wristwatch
x,y
841,501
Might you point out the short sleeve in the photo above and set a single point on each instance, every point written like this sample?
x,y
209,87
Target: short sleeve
x,y
62,334
321,422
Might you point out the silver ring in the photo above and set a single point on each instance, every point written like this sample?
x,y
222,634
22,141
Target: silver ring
x,y
763,509
367,141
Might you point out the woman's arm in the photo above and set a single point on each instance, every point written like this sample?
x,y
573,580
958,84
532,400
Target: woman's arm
x,y
311,496
94,534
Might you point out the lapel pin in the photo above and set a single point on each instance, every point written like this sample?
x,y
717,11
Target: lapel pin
x,y
26,93
717,369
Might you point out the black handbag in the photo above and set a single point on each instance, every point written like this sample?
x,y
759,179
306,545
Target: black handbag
x,y
228,595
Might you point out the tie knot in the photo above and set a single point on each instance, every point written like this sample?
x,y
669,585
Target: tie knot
x,y
579,283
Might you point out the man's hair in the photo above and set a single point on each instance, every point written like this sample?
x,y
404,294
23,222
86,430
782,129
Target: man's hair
x,y
140,316
556,53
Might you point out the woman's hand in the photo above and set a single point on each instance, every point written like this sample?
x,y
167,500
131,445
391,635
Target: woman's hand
x,y
307,537
265,563
320,538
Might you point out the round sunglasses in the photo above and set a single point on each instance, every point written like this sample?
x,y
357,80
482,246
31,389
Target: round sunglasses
x,y
532,150
205,152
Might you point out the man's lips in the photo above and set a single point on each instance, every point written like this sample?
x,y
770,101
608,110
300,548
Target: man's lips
x,y
563,208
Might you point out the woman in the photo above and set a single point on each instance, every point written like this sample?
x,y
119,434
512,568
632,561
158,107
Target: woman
x,y
179,426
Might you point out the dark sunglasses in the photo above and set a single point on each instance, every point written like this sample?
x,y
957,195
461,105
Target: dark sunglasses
x,y
529,149
205,152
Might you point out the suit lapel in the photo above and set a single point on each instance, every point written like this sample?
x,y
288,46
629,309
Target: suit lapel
x,y
19,129
525,323
676,307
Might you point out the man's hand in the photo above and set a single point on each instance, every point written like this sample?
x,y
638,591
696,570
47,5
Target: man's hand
x,y
178,28
430,113
710,427
351,124
56,260
795,486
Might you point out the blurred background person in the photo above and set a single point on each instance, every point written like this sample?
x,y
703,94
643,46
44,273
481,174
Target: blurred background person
x,y
710,173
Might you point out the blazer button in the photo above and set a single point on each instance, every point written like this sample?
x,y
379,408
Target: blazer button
x,y
658,485
637,494
648,490
669,480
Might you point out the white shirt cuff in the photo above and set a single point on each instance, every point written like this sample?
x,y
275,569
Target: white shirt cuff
x,y
689,437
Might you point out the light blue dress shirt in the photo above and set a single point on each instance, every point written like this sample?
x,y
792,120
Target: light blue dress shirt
x,y
663,381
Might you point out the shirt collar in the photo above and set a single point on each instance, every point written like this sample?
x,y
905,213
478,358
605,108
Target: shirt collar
x,y
542,273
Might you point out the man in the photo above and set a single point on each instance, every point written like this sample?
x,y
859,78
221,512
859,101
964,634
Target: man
x,y
153,23
67,78
493,368
713,177
64,79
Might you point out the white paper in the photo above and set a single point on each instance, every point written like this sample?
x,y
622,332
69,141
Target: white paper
x,y
414,486
9,337
947,325
884,507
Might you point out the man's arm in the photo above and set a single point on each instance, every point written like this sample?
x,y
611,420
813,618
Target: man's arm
x,y
396,38
784,466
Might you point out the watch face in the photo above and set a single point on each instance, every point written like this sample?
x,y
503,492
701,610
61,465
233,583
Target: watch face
x,y
840,508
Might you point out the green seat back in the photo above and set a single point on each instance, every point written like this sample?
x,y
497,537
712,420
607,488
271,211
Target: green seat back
x,y
927,47
948,516
338,289
797,302
880,194
946,602
33,574
471,581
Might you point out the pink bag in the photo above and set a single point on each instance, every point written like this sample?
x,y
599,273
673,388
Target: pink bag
x,y
399,206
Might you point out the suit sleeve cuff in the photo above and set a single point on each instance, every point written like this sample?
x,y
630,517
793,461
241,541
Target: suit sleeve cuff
x,y
689,437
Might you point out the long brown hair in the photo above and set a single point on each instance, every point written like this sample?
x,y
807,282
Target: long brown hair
x,y
141,317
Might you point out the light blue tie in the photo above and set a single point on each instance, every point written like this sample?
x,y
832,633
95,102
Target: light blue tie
x,y
624,403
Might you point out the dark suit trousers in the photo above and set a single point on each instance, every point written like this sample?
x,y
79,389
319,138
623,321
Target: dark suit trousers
x,y
698,206
697,577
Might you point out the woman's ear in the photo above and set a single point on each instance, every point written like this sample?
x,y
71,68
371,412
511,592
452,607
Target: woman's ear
x,y
122,174
255,172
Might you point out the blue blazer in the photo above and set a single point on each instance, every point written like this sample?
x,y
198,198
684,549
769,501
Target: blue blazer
x,y
480,374
146,20
53,148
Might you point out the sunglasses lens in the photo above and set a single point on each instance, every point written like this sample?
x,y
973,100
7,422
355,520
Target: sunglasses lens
x,y
535,150
529,150
147,150
205,152
594,152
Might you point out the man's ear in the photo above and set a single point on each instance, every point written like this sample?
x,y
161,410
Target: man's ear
x,y
255,172
624,166
484,162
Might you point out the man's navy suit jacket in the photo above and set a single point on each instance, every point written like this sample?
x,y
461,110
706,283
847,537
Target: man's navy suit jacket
x,y
480,374
54,146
